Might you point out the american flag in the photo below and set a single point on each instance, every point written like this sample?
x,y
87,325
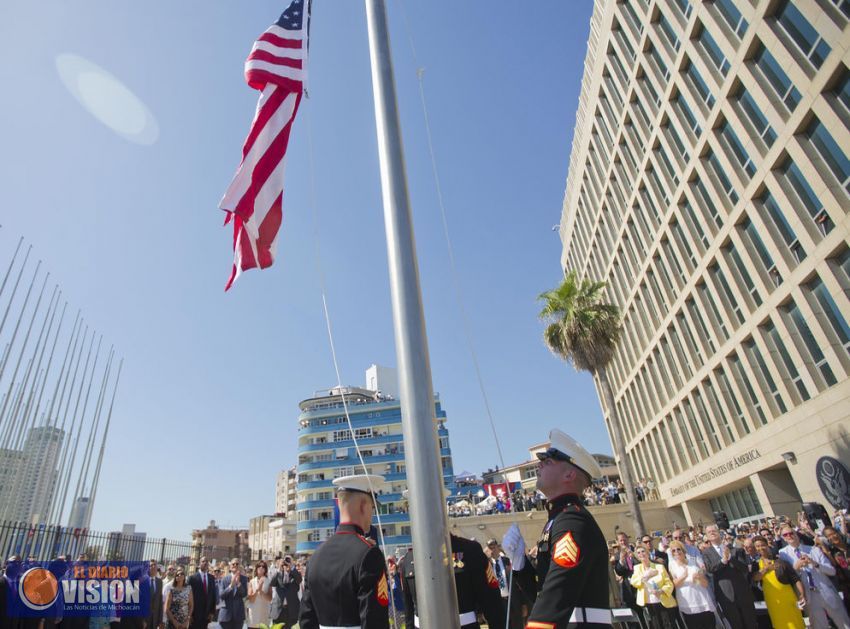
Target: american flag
x,y
277,68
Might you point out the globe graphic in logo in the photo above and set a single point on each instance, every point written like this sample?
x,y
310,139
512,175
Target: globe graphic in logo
x,y
38,589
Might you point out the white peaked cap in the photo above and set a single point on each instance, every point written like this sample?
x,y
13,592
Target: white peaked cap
x,y
564,447
360,482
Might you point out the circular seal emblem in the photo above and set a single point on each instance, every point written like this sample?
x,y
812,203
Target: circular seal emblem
x,y
834,481
38,589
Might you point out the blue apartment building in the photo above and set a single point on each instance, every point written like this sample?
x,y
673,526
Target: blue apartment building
x,y
326,451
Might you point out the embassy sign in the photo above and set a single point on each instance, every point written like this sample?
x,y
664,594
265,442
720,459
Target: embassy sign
x,y
714,472
58,589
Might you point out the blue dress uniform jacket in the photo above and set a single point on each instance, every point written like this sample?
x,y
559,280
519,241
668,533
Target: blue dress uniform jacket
x,y
477,586
572,569
346,584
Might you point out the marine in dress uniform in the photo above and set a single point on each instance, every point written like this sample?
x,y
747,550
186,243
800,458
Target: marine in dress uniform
x,y
477,586
572,555
346,582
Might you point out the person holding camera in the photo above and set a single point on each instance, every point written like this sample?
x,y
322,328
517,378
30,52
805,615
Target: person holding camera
x,y
286,584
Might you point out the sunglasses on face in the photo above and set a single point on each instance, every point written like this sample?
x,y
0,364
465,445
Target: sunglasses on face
x,y
789,534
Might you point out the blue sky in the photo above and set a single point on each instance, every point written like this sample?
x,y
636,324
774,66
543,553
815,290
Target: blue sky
x,y
207,409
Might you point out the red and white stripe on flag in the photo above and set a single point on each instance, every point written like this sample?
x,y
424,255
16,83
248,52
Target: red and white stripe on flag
x,y
254,200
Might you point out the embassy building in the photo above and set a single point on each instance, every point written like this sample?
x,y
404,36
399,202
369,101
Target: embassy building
x,y
709,187
326,450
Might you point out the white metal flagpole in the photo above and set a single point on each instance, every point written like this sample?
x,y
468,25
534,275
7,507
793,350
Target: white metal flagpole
x,y
435,585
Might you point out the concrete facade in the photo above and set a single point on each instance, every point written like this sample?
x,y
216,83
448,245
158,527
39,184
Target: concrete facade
x,y
709,187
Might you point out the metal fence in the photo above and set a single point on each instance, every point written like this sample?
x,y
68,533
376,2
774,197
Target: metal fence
x,y
41,542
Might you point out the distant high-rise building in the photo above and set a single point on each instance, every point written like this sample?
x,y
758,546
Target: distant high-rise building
x,y
128,544
326,451
709,187
285,492
80,513
34,484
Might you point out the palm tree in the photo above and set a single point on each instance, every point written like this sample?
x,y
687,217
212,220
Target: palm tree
x,y
584,330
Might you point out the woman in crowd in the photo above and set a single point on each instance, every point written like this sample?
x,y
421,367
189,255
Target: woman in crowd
x,y
259,606
780,597
179,603
692,594
835,549
397,609
654,590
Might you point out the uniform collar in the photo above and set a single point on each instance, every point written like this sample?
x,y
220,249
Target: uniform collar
x,y
557,504
349,527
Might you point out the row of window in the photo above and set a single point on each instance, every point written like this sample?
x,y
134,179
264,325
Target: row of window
x,y
791,356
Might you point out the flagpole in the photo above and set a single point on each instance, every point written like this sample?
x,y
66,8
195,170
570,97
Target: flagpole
x,y
435,584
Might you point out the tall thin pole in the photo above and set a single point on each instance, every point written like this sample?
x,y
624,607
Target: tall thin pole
x,y
11,264
435,590
96,480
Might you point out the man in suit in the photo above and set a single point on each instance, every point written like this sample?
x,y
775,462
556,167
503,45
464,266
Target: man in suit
x,y
655,556
624,568
504,574
234,589
728,569
286,583
154,618
204,596
816,572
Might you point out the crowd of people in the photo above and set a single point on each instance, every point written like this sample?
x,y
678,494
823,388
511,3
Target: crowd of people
x,y
699,577
601,492
704,577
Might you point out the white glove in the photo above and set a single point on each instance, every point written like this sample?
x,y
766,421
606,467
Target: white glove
x,y
514,546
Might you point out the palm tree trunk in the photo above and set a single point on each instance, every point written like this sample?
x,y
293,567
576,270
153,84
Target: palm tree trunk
x,y
620,451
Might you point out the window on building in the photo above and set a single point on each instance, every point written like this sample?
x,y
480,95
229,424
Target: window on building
x,y
743,273
807,197
714,402
698,430
701,328
760,367
768,265
830,152
684,6
669,32
726,292
680,104
745,382
723,180
737,149
731,398
837,323
713,52
797,323
756,116
699,85
706,204
694,225
775,76
800,30
777,218
777,345
843,6
738,504
689,444
713,312
842,88
733,16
